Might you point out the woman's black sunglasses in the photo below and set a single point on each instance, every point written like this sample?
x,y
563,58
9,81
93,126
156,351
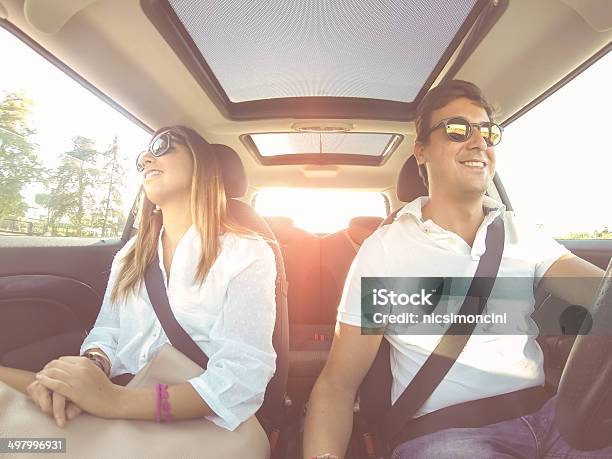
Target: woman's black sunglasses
x,y
459,129
160,145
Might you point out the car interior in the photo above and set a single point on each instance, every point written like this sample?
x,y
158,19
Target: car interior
x,y
240,75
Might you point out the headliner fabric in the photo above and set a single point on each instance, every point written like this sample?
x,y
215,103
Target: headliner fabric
x,y
343,48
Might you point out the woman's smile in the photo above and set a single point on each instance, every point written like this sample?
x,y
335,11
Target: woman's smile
x,y
152,173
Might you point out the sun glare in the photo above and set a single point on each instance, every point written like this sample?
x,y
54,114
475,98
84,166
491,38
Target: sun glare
x,y
319,211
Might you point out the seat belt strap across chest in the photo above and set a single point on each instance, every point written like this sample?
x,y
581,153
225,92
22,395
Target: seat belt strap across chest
x,y
177,335
440,361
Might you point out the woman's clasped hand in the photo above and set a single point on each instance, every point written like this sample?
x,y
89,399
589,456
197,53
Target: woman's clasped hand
x,y
67,386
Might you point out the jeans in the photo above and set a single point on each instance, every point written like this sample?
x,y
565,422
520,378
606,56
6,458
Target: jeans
x,y
531,436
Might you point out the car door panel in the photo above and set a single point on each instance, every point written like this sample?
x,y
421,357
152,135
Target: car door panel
x,y
51,291
597,251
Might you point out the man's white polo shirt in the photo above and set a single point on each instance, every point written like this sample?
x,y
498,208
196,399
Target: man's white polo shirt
x,y
489,364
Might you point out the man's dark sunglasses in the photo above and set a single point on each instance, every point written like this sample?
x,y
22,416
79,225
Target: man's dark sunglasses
x,y
458,129
160,145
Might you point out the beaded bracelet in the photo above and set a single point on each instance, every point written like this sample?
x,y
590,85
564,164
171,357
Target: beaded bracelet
x,y
163,406
98,360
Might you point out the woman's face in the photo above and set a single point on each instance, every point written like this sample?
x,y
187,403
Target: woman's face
x,y
167,178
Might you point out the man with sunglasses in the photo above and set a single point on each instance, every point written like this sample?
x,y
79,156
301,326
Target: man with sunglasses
x,y
443,234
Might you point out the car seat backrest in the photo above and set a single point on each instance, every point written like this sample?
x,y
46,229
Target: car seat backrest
x,y
271,412
361,228
375,389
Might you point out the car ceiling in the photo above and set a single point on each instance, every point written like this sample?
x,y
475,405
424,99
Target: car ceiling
x,y
114,46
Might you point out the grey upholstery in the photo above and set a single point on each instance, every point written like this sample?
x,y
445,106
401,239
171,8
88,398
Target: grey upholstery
x,y
409,183
34,356
234,175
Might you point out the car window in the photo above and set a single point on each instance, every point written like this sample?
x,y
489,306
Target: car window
x,y
320,211
66,157
555,160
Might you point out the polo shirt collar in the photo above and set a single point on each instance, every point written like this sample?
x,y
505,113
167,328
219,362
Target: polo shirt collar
x,y
415,207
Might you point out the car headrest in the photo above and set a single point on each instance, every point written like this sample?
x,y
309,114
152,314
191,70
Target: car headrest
x,y
234,175
282,227
360,228
409,183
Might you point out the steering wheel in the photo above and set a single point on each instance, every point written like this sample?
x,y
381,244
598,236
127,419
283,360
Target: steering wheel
x,y
584,398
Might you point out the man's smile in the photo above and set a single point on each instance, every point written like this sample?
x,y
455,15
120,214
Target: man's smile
x,y
474,164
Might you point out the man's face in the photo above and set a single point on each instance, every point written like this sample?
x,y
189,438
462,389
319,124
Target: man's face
x,y
448,162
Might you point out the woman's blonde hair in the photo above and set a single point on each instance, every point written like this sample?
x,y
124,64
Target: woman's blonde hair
x,y
208,204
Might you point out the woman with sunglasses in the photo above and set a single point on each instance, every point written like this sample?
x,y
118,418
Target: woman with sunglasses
x,y
220,280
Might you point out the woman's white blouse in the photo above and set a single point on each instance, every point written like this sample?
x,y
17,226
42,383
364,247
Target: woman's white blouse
x,y
230,316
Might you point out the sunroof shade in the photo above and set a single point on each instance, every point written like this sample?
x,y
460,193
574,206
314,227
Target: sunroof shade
x,y
293,143
260,50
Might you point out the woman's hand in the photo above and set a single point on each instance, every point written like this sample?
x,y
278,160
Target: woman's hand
x,y
52,403
81,381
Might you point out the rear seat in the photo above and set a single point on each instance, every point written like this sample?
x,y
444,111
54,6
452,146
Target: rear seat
x,y
361,228
337,253
302,257
316,268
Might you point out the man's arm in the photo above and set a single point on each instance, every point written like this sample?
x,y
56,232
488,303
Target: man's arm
x,y
329,419
582,291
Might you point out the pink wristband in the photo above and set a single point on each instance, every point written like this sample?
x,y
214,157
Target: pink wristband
x,y
163,405
157,401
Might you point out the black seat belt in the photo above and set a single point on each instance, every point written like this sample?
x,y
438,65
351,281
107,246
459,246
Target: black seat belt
x,y
177,335
440,361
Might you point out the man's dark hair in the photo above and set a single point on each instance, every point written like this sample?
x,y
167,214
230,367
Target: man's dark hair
x,y
437,98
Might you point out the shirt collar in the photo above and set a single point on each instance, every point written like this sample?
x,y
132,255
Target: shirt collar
x,y
415,207
191,230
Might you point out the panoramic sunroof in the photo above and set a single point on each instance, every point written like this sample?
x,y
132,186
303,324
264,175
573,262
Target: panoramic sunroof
x,y
313,147
340,48
315,58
